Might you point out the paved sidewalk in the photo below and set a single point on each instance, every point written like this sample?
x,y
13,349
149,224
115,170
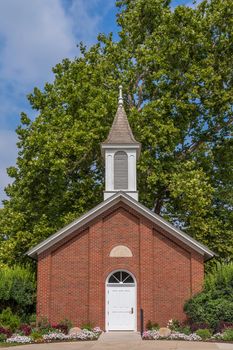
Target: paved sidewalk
x,y
125,341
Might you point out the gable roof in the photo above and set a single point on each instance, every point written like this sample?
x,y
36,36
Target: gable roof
x,y
120,132
138,207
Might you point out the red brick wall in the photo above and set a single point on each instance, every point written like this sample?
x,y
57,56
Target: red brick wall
x,y
72,274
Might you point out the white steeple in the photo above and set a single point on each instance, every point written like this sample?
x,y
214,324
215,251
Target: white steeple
x,y
121,152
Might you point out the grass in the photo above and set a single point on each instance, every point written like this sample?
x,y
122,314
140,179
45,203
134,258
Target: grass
x,y
7,345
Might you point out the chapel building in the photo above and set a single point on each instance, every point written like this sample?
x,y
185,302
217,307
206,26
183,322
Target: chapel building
x,y
120,260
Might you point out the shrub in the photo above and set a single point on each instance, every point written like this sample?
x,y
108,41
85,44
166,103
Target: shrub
x,y
44,325
9,320
185,330
88,326
203,333
61,327
25,329
2,337
6,331
215,302
36,336
64,326
173,325
223,325
195,326
228,335
152,325
32,320
17,289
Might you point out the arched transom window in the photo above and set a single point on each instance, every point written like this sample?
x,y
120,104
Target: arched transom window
x,y
120,171
120,277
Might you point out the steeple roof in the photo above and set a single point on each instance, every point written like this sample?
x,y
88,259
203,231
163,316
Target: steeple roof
x,y
120,132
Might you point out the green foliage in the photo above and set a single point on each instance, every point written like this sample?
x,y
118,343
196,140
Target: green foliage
x,y
186,330
36,335
32,320
8,319
67,323
220,280
174,325
204,333
89,326
43,325
2,337
17,289
176,69
152,325
228,335
215,303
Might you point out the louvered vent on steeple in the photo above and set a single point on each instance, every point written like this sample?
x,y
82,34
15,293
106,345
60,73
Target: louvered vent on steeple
x,y
120,171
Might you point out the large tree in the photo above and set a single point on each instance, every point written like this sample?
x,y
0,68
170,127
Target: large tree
x,y
177,71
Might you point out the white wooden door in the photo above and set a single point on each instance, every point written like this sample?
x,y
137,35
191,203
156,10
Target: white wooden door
x,y
121,308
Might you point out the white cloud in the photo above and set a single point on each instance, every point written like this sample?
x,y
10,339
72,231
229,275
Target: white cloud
x,y
87,16
34,36
8,153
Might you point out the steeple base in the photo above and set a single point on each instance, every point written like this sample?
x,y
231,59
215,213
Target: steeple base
x,y
133,194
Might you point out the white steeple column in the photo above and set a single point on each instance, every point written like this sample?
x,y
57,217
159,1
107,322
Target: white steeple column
x,y
132,158
109,170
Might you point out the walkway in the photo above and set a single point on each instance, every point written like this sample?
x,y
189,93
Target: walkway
x,y
125,341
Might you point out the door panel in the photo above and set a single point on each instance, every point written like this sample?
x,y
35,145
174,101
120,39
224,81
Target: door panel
x,y
121,307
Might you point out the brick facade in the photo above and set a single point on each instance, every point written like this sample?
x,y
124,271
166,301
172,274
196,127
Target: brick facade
x,y
72,274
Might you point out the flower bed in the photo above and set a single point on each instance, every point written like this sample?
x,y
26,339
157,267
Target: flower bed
x,y
21,339
194,332
57,335
154,335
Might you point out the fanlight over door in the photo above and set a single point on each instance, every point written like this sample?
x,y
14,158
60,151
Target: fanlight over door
x,y
120,277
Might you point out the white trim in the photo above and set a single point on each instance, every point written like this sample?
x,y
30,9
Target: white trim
x,y
122,145
108,203
106,297
125,146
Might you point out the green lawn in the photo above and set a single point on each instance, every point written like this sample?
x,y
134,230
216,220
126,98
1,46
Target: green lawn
x,y
7,345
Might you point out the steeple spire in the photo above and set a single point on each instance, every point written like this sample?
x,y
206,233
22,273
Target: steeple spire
x,y
121,152
120,132
120,98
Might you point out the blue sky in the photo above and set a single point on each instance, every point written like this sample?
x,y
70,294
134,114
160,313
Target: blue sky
x,y
34,36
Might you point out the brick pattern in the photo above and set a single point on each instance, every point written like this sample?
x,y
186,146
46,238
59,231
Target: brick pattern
x,y
72,274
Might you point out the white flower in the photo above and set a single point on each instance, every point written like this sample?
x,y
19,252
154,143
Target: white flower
x,y
82,335
97,330
16,338
154,335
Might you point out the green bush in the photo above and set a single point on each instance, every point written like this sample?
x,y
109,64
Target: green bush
x,y
67,323
186,330
215,303
152,325
32,320
89,326
2,337
8,319
204,333
228,335
17,289
35,335
174,325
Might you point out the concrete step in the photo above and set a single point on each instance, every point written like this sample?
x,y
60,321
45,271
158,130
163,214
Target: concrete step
x,y
118,337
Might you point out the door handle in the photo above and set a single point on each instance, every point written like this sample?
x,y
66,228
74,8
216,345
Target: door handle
x,y
131,310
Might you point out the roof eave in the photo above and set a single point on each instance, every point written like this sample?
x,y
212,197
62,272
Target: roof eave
x,y
78,223
136,146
